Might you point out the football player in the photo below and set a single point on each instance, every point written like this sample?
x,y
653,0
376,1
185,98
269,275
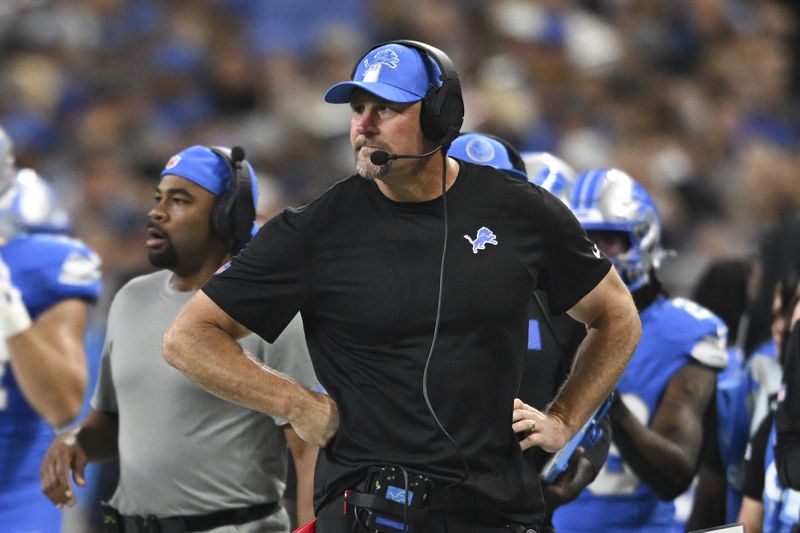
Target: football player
x,y
47,282
657,416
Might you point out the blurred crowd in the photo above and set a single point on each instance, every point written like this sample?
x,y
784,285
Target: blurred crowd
x,y
696,99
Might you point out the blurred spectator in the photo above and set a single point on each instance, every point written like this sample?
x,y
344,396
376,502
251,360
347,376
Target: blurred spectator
x,y
769,183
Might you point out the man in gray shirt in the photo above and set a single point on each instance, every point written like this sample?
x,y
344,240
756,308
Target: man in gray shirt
x,y
188,459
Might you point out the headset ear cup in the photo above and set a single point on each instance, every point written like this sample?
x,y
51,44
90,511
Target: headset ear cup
x,y
221,219
429,123
234,211
452,117
243,209
443,126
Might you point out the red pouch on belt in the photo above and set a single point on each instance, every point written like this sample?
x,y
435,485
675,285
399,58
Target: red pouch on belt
x,y
308,527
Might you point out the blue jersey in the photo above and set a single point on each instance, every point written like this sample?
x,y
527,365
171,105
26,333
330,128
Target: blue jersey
x,y
781,505
46,269
674,332
742,393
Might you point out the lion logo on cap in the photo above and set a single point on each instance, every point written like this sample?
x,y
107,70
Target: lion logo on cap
x,y
480,151
173,161
373,65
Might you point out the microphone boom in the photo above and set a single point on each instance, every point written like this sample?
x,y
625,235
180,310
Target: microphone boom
x,y
381,157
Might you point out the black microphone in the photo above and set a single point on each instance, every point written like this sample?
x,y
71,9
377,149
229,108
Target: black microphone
x,y
237,154
381,157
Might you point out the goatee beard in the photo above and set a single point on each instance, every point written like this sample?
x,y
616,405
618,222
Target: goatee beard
x,y
373,172
166,258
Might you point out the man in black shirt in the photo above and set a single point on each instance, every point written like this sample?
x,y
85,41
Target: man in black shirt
x,y
414,304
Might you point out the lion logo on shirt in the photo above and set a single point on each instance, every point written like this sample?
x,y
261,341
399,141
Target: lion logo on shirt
x,y
485,236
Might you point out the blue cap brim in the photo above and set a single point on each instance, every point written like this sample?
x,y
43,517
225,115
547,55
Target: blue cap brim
x,y
341,93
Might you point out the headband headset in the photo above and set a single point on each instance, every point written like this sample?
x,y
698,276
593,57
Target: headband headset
x,y
234,211
443,106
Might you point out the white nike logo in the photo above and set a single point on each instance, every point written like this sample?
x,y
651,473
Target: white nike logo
x,y
596,251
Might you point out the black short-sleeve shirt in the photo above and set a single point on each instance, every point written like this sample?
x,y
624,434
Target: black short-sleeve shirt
x,y
364,271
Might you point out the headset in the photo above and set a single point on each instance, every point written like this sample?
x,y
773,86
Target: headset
x,y
442,112
234,211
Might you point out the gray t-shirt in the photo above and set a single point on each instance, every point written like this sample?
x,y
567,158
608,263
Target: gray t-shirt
x,y
182,450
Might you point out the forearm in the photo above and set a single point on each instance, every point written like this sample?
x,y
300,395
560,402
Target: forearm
x,y
201,344
751,515
304,457
53,385
665,452
98,435
210,357
708,507
657,461
599,362
710,494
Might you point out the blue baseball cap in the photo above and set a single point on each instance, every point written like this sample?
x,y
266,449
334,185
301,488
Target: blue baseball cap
x,y
393,72
200,165
207,169
484,150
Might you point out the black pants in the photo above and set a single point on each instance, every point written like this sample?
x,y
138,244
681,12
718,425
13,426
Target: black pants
x,y
332,519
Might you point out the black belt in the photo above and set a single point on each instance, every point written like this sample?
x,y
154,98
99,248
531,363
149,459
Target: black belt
x,y
176,524
344,505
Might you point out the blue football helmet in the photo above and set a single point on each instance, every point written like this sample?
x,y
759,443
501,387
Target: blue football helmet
x,y
29,205
550,173
608,199
488,150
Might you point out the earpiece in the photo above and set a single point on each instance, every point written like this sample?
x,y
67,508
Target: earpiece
x,y
234,211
